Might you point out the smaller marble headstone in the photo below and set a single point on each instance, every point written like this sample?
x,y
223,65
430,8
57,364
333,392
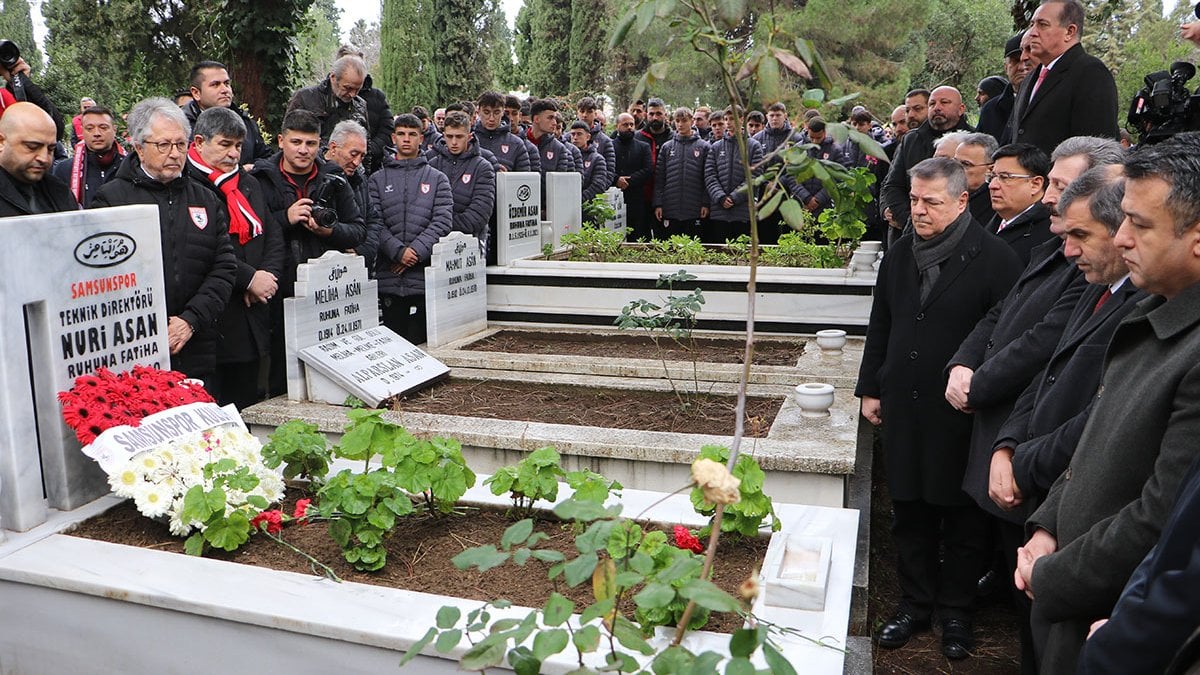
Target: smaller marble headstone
x,y
518,212
455,290
372,365
333,298
563,206
616,199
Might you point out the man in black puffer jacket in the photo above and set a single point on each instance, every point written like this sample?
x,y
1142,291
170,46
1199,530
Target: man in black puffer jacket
x,y
336,97
591,163
198,260
680,197
345,157
411,208
552,154
776,134
724,177
211,87
296,191
472,179
245,326
494,134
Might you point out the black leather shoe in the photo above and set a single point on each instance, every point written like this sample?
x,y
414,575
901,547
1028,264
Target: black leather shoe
x,y
957,639
899,629
988,584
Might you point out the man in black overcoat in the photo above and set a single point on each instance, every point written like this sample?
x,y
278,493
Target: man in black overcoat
x,y
934,285
1106,511
1069,93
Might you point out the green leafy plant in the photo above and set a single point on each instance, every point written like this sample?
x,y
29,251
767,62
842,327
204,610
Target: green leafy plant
x,y
533,478
682,249
363,507
675,319
301,449
224,517
597,211
594,244
747,515
796,250
844,224
591,486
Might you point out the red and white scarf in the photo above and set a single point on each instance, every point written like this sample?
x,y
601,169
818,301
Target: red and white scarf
x,y
79,166
243,221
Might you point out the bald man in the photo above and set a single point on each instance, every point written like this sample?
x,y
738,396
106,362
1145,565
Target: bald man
x,y
27,139
946,114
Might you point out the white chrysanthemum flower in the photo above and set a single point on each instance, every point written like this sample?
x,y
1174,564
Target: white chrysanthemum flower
x,y
152,501
147,462
124,481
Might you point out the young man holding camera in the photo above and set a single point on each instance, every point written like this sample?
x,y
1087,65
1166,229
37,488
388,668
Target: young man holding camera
x,y
315,210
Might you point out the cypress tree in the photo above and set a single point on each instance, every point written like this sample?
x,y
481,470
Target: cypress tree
x,y
550,26
406,68
588,44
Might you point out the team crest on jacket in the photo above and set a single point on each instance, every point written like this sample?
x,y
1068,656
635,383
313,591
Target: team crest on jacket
x,y
466,178
424,188
825,156
504,148
695,153
549,155
199,216
587,164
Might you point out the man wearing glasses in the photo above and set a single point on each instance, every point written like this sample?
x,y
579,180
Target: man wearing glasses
x,y
1017,182
199,264
974,153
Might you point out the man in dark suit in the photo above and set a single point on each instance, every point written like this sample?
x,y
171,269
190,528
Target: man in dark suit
x,y
994,113
1159,610
1069,93
1107,509
933,287
1045,421
1017,183
975,152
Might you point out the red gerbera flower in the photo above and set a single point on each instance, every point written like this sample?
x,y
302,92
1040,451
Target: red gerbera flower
x,y
686,540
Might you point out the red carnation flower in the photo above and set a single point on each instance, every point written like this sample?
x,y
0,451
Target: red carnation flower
x,y
686,540
301,511
271,521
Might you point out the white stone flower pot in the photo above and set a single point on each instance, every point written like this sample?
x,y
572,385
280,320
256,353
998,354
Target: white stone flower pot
x,y
814,398
831,341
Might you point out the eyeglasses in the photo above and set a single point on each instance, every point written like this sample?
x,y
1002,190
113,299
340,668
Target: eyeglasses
x,y
1008,177
968,164
165,147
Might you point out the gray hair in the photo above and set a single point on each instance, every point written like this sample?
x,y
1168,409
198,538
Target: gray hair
x,y
145,112
348,62
942,167
1099,151
347,128
955,137
219,121
985,141
1104,194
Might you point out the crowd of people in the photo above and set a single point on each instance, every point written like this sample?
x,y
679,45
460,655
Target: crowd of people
x,y
1030,351
1030,361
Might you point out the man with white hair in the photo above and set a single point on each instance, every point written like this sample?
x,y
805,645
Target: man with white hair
x,y
198,260
336,98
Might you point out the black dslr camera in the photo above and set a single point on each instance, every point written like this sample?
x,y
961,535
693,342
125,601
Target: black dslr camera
x,y
1164,107
323,212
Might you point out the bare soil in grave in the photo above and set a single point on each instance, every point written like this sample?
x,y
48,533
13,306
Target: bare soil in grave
x,y
419,554
628,346
589,406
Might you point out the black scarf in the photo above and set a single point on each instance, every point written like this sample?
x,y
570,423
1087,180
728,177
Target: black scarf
x,y
931,253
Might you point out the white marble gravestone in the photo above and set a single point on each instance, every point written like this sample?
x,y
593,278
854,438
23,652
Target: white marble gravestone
x,y
333,298
455,290
563,206
616,199
372,364
518,210
78,292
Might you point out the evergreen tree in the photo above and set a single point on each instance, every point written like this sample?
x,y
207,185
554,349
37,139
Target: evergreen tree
x,y
504,70
462,33
589,39
406,71
366,37
547,73
965,41
317,42
523,43
16,24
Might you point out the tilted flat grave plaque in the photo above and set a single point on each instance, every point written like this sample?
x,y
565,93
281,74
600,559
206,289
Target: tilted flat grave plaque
x,y
333,298
79,291
563,205
455,290
518,210
373,364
